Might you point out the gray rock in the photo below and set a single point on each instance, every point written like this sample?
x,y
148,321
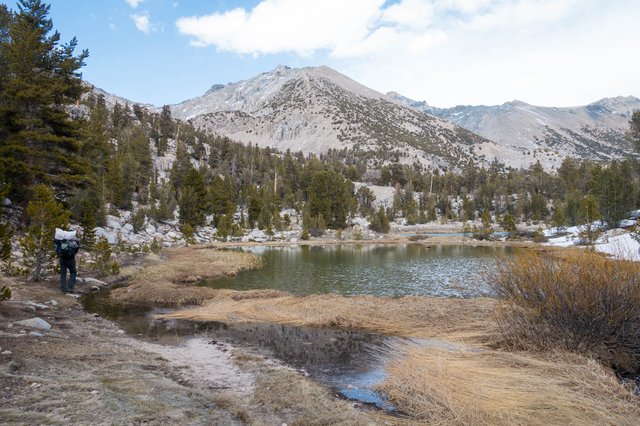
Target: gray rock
x,y
150,229
6,202
54,302
36,322
110,236
37,305
36,334
95,282
113,222
128,228
258,236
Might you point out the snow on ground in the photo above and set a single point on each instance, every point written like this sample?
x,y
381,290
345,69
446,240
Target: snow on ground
x,y
616,242
621,247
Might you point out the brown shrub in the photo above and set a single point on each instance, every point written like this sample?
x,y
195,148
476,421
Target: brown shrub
x,y
579,301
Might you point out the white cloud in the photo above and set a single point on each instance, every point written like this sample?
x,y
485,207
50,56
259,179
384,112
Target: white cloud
x,y
550,52
142,22
134,3
276,26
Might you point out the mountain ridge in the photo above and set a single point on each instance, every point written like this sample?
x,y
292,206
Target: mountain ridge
x,y
594,131
316,109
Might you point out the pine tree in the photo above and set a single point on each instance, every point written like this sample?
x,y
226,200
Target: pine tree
x,y
330,197
165,128
88,224
559,219
137,219
589,213
193,199
45,214
380,221
223,227
40,78
6,234
365,199
219,197
509,224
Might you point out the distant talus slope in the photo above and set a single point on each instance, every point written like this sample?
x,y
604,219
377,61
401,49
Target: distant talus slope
x,y
596,131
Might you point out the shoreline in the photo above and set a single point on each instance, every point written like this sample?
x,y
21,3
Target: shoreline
x,y
269,390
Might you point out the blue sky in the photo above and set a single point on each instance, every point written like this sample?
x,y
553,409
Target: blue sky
x,y
447,52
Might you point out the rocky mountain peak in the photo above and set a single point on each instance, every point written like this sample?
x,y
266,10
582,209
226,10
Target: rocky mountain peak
x,y
315,109
622,105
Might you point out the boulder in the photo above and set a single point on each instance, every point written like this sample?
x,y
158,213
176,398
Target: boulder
x,y
110,236
128,228
150,229
114,222
258,236
36,322
626,223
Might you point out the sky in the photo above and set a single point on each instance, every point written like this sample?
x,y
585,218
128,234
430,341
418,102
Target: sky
x,y
445,52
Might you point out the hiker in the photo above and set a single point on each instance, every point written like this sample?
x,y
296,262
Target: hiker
x,y
66,245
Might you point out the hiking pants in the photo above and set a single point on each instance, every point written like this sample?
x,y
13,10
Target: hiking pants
x,y
70,264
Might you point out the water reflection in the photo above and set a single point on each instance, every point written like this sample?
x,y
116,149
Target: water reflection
x,y
381,270
351,362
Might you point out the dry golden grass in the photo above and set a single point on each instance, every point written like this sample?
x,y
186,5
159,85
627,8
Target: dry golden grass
x,y
170,282
500,388
406,316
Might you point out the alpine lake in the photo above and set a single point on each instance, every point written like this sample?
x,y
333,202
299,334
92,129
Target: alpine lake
x,y
349,362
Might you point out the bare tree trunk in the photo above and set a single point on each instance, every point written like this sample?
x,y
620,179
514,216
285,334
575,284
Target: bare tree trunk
x,y
37,268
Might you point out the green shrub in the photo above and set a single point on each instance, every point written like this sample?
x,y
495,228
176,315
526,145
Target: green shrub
x,y
580,301
5,293
189,234
137,219
103,263
155,246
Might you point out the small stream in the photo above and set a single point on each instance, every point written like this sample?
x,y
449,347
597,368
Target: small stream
x,y
350,362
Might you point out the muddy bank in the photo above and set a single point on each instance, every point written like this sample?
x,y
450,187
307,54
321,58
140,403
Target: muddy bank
x,y
85,370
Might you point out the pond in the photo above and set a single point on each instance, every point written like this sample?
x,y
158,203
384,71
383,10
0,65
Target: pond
x,y
350,362
378,270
